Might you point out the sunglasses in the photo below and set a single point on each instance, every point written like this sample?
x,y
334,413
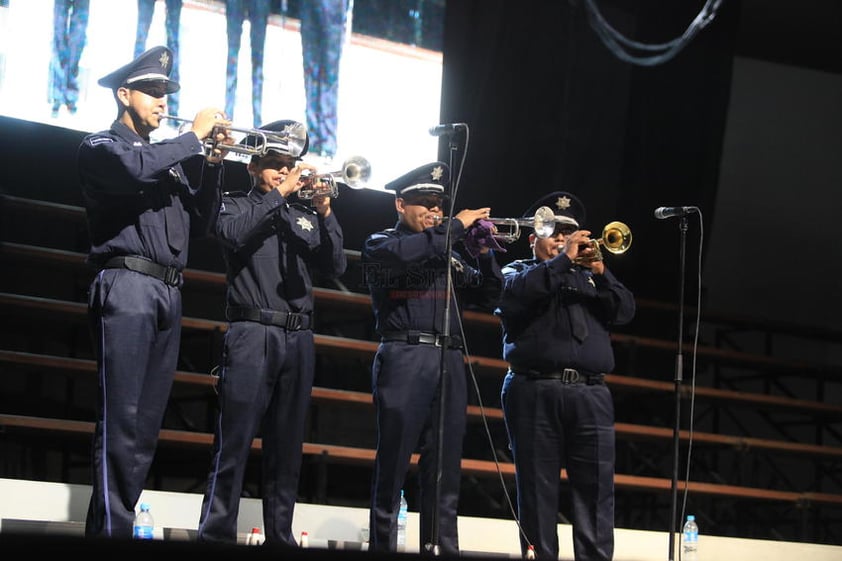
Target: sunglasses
x,y
564,229
428,201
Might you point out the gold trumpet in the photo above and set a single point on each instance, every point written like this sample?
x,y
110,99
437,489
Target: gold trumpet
x,y
616,238
257,141
355,173
508,229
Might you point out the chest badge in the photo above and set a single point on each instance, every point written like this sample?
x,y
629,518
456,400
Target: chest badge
x,y
304,223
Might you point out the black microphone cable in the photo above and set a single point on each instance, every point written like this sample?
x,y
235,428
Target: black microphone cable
x,y
487,430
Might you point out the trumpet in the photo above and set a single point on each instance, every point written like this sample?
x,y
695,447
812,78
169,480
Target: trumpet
x,y
257,141
508,229
616,238
355,173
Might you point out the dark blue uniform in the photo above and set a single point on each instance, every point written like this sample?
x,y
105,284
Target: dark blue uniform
x,y
141,212
406,275
268,358
559,413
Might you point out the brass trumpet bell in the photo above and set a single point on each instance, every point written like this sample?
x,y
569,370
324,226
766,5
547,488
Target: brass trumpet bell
x,y
616,238
355,173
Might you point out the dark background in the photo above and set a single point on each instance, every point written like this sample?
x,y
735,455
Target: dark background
x,y
751,104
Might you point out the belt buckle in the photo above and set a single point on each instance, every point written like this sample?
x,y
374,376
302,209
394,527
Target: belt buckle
x,y
171,276
293,322
570,376
439,340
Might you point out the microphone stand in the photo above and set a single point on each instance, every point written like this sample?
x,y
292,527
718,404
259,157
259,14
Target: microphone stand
x,y
679,368
434,546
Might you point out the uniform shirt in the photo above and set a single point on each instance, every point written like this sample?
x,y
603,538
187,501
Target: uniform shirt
x,y
268,245
138,199
406,277
535,308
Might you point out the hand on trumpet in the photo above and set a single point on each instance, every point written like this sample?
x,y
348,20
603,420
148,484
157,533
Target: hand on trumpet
x,y
290,175
211,123
481,237
581,249
321,199
321,203
467,217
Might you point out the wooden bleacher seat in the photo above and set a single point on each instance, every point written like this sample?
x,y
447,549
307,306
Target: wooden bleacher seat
x,y
483,468
636,386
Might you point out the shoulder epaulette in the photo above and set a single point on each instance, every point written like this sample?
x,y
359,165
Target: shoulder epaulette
x,y
383,234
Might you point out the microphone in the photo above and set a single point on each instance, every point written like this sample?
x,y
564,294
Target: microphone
x,y
670,211
447,130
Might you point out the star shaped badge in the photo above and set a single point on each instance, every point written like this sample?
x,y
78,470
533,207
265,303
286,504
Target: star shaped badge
x,y
562,203
437,173
304,224
164,60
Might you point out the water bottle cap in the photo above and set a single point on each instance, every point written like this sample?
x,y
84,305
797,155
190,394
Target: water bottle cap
x,y
255,530
144,506
690,517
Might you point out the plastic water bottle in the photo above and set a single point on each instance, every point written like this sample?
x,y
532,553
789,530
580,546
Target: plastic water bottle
x,y
144,525
690,540
304,541
255,537
402,514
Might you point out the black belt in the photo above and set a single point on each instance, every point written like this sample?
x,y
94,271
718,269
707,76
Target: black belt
x,y
291,321
169,275
422,338
566,376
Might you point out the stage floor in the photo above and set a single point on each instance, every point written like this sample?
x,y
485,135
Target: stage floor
x,y
52,512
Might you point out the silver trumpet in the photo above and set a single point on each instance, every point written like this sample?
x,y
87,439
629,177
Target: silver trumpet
x,y
256,142
508,229
355,173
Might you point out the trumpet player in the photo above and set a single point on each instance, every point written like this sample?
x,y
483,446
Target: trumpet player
x,y
141,210
557,309
269,245
406,272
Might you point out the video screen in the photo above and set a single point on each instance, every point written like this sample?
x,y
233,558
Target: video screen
x,y
363,75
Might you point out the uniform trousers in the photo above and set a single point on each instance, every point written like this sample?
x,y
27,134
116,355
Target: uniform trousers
x,y
264,386
405,382
136,329
553,425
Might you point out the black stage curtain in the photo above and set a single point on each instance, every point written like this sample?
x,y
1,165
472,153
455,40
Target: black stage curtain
x,y
550,107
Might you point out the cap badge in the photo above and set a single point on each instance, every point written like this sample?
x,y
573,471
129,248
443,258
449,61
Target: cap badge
x,y
164,60
563,203
304,224
436,173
